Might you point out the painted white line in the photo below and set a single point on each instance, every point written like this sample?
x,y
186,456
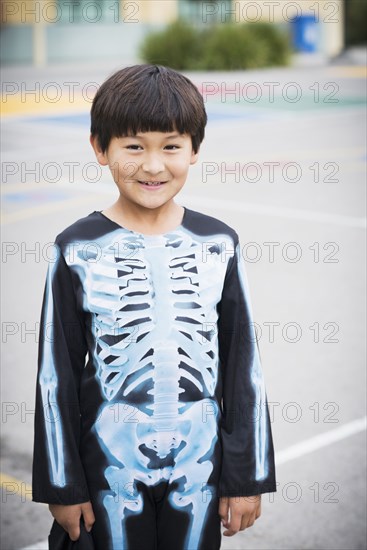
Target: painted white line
x,y
319,441
277,211
293,452
38,546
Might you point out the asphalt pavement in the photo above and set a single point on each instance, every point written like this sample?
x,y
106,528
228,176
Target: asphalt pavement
x,y
283,163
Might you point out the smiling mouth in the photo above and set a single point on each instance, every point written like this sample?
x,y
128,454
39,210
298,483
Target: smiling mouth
x,y
152,183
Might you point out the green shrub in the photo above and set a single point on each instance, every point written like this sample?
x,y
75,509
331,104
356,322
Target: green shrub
x,y
223,47
231,47
276,42
178,46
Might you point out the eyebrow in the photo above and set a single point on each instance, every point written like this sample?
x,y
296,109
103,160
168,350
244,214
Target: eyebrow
x,y
172,136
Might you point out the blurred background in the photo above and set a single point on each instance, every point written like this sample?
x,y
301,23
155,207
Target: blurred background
x,y
283,162
59,31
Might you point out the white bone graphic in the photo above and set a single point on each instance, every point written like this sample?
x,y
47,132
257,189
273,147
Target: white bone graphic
x,y
154,303
48,385
261,445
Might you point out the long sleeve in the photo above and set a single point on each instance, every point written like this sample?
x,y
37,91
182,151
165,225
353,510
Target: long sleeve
x,y
247,446
58,476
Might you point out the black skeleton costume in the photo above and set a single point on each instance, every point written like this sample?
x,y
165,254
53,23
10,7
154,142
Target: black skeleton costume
x,y
170,404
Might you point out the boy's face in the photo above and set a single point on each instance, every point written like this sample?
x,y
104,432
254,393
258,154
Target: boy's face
x,y
148,168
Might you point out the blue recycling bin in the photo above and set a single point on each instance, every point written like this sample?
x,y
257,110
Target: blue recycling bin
x,y
305,33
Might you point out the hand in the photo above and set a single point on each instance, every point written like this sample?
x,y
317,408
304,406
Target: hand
x,y
69,517
238,513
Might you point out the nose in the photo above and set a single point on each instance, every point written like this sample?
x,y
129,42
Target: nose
x,y
153,164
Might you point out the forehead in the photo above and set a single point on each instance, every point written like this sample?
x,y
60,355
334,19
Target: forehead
x,y
157,136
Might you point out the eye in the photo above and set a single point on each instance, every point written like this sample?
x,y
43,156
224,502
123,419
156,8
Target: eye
x,y
172,147
134,147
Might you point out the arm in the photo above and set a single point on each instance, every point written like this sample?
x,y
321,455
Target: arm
x,y
69,517
239,513
58,475
248,468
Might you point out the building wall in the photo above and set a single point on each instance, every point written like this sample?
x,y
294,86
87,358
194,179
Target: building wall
x,y
17,12
48,31
51,31
157,11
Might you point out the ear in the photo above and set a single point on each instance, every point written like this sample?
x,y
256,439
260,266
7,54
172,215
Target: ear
x,y
194,157
100,156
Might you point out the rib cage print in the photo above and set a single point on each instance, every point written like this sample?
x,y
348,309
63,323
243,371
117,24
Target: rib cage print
x,y
142,295
153,300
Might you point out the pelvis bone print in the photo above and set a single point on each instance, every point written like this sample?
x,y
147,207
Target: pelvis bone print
x,y
153,300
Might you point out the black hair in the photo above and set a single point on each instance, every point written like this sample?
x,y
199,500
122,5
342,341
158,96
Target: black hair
x,y
147,98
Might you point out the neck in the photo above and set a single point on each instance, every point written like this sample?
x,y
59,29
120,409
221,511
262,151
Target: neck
x,y
146,220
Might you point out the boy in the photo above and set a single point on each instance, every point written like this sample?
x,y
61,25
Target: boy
x,y
158,436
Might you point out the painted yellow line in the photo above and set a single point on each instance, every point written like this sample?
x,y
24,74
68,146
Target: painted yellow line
x,y
12,486
51,101
35,104
44,209
62,185
349,72
14,188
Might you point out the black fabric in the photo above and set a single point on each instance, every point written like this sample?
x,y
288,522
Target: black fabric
x,y
59,539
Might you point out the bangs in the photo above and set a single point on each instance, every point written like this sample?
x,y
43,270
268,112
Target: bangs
x,y
145,115
150,112
147,99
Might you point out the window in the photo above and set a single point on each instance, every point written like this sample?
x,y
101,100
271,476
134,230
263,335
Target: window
x,y
89,11
198,12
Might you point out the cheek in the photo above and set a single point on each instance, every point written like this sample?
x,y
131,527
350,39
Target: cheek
x,y
129,169
181,167
123,169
